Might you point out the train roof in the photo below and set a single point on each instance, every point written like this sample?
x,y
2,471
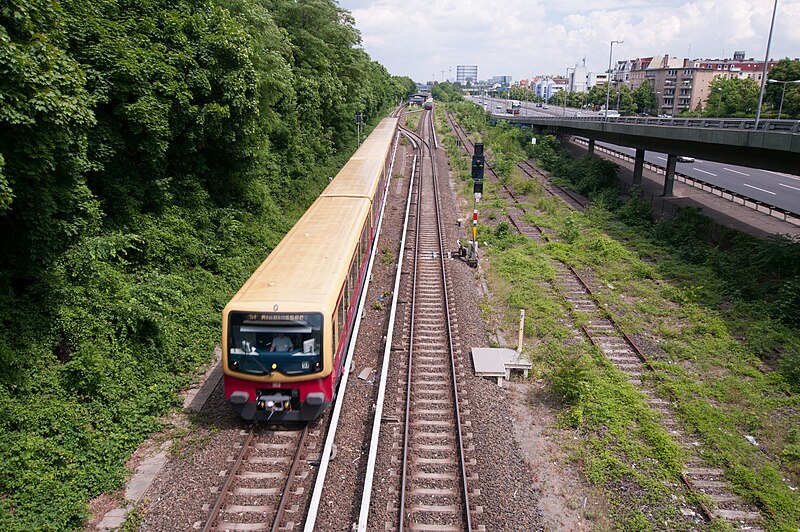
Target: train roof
x,y
360,176
305,269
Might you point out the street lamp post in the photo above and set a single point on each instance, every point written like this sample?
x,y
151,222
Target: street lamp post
x,y
608,76
766,62
783,92
565,89
656,98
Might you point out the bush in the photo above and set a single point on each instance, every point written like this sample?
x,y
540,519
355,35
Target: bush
x,y
570,377
636,212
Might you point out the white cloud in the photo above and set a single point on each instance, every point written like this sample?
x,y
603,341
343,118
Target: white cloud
x,y
428,38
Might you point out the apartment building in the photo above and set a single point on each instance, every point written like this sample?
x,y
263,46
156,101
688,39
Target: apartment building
x,y
683,84
679,84
736,68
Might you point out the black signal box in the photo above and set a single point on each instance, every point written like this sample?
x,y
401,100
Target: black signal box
x,y
477,169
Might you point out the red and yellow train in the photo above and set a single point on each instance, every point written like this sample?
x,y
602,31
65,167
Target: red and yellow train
x,y
287,331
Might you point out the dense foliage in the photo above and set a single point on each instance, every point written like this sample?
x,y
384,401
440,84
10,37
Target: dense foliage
x,y
151,154
782,93
447,92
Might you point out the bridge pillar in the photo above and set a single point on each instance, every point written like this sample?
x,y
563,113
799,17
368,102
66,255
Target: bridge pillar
x,y
591,146
669,180
638,166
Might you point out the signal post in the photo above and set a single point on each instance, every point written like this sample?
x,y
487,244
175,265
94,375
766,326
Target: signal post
x,y
470,253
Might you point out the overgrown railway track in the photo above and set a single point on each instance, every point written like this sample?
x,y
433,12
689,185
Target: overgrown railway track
x,y
603,332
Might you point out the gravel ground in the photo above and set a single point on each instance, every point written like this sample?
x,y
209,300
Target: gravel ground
x,y
521,477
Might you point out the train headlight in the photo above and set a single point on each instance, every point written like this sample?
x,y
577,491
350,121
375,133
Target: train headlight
x,y
274,366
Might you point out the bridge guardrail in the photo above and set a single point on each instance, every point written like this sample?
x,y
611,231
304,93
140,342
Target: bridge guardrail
x,y
772,125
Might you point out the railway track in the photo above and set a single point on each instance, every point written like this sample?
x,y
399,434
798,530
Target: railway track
x,y
603,332
259,491
431,487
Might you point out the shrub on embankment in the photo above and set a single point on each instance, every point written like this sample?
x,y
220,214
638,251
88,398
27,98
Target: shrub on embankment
x,y
151,154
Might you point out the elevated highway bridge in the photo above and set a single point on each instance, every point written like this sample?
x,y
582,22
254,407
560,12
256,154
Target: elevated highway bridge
x,y
772,145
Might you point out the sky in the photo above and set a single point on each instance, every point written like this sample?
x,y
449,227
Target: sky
x,y
426,39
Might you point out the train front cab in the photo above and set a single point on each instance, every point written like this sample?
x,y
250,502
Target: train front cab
x,y
298,384
286,349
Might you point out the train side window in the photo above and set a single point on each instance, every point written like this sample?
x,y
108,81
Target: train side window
x,y
342,315
384,177
353,274
364,238
346,296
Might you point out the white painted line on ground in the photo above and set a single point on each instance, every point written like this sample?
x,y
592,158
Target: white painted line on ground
x,y
663,158
781,174
788,186
735,171
761,189
709,173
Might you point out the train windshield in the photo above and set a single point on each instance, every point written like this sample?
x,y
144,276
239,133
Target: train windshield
x,y
263,343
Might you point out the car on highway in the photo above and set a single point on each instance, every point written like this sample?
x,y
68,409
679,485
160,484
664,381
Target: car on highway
x,y
685,159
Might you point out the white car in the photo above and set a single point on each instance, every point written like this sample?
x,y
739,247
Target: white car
x,y
685,159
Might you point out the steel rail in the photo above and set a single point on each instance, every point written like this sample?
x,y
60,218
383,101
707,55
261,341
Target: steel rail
x,y
456,412
366,495
459,438
411,341
212,515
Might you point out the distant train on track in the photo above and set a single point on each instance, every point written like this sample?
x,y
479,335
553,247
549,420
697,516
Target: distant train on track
x,y
428,103
286,332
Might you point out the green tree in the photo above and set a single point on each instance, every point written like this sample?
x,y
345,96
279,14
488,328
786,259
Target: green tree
x,y
644,97
596,96
626,103
446,92
784,70
45,117
520,93
732,98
